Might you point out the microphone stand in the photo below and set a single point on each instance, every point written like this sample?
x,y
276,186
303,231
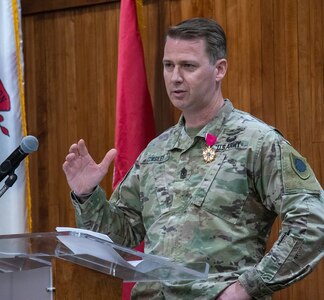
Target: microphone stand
x,y
8,183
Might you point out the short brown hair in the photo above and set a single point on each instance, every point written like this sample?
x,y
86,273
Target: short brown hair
x,y
202,28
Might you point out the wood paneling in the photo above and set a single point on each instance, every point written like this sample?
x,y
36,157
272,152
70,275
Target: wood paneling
x,y
40,6
75,282
67,100
276,63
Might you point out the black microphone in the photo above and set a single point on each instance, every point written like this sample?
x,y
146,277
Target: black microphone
x,y
28,145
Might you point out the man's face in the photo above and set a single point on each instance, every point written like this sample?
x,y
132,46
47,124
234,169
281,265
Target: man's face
x,y
190,78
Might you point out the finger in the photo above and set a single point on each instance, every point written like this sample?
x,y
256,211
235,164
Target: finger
x,y
110,155
69,162
74,149
66,166
70,157
83,151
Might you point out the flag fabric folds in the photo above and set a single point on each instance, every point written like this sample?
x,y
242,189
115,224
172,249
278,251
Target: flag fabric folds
x,y
134,113
13,206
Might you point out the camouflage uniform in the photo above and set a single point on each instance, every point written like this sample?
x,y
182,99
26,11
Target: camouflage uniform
x,y
219,212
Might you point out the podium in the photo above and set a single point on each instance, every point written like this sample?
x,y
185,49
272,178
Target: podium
x,y
78,264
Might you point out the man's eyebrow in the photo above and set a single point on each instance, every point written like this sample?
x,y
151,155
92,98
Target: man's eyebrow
x,y
187,61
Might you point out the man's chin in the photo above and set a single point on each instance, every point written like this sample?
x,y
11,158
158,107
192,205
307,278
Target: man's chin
x,y
179,104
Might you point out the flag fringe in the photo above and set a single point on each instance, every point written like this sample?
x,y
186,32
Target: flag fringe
x,y
16,15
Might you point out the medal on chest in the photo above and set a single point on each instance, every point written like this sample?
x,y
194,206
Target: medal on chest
x,y
209,154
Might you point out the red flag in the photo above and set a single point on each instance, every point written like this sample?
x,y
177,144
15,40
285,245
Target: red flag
x,y
134,113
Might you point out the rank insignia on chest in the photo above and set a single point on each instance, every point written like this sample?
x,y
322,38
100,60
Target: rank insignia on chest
x,y
209,153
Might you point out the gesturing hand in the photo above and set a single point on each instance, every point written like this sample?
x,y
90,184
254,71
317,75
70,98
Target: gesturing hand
x,y
82,172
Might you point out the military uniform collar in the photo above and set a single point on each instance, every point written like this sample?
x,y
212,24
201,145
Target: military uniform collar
x,y
214,127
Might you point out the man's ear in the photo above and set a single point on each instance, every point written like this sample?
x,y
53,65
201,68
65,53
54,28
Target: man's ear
x,y
221,68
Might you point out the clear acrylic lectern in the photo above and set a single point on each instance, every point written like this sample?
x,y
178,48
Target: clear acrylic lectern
x,y
75,264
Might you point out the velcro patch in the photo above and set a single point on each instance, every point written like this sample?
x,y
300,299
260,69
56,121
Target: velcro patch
x,y
300,166
296,172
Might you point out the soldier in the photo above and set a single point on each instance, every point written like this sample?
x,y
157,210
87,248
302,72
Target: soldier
x,y
209,188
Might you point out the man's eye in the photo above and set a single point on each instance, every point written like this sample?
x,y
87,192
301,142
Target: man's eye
x,y
189,66
168,66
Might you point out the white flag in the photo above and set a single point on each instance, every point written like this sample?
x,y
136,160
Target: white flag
x,y
13,207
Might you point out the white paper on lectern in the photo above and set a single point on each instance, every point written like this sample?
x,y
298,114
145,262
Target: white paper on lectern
x,y
82,245
85,231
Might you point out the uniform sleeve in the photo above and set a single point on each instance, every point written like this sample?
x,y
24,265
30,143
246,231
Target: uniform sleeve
x,y
287,185
120,217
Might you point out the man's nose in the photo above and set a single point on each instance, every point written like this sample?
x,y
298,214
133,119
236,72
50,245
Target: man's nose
x,y
176,75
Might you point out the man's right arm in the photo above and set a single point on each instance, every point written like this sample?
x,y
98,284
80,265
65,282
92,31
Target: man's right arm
x,y
121,221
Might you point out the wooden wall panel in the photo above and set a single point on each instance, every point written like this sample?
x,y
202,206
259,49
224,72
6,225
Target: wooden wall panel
x,y
40,6
267,61
286,70
153,38
71,68
276,63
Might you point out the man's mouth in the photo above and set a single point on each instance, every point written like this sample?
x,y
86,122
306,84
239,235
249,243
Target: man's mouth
x,y
178,93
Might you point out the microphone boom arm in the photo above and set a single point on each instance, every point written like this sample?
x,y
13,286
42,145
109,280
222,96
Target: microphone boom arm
x,y
8,183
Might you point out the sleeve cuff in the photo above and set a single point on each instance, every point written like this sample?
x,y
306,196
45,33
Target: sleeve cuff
x,y
83,197
254,285
86,203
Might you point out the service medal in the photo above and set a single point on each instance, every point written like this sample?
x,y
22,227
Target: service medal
x,y
209,154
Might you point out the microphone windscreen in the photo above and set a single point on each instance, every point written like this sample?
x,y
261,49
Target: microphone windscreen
x,y
29,144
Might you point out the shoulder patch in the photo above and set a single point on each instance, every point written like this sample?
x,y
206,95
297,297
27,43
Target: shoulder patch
x,y
300,166
296,172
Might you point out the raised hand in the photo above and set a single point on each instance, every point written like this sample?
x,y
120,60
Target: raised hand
x,y
83,174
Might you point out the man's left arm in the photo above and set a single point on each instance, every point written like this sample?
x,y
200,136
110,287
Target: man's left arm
x,y
288,185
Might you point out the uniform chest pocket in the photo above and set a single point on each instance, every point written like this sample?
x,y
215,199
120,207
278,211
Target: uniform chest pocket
x,y
224,189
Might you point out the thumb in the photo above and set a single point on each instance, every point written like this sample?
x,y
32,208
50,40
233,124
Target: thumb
x,y
110,155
